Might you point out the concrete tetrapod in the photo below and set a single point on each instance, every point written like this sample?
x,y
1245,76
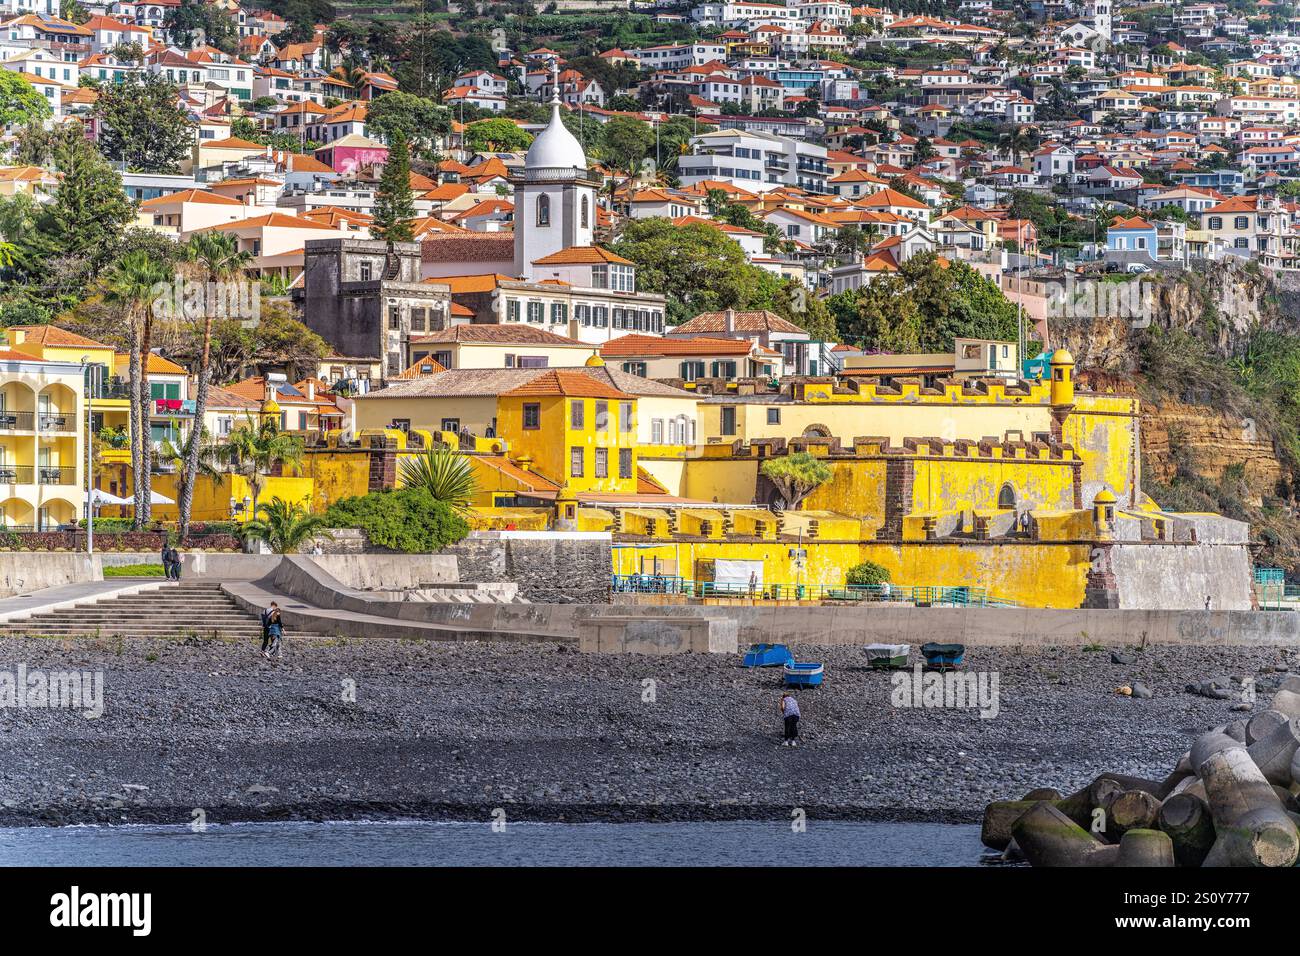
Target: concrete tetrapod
x,y
1273,754
1251,826
1145,847
1287,697
1226,803
1186,820
1263,724
1047,837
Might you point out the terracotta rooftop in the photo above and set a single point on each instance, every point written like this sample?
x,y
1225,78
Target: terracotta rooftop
x,y
563,381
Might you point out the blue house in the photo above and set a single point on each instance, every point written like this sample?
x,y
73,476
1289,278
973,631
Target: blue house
x,y
1134,234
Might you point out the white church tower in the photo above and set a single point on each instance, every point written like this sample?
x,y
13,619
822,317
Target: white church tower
x,y
1101,16
555,199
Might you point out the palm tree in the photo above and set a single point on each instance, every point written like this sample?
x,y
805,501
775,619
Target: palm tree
x,y
255,449
208,466
131,283
285,526
445,475
218,254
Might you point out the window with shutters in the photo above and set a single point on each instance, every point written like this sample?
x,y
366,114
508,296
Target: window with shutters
x,y
602,463
625,462
576,458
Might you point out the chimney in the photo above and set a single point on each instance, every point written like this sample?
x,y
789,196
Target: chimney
x,y
729,320
270,390
311,390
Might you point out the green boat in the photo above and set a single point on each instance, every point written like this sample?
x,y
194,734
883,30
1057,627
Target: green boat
x,y
886,657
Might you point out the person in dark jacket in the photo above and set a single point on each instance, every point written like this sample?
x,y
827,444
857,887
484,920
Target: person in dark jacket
x,y
272,631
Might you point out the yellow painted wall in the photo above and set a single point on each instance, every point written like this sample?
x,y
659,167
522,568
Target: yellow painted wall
x,y
550,444
1040,575
1104,432
336,474
475,414
724,480
212,498
976,483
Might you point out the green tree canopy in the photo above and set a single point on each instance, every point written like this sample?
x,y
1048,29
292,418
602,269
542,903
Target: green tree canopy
x,y
19,101
796,476
928,304
496,135
420,120
143,125
626,142
697,267
394,210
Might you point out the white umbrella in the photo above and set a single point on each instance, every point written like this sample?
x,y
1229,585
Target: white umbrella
x,y
100,497
159,499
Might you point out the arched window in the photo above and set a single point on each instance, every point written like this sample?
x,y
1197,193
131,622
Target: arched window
x,y
586,213
543,210
1007,498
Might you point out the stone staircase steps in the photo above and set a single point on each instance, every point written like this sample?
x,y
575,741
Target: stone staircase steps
x,y
172,610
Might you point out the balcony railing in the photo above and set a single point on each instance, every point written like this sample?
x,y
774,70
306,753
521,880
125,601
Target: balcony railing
x,y
17,421
55,475
57,422
16,474
173,408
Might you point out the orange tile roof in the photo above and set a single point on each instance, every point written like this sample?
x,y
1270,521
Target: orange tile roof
x,y
655,345
582,255
190,195
56,337
567,382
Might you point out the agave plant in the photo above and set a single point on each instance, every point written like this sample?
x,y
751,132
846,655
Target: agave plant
x,y
285,526
445,475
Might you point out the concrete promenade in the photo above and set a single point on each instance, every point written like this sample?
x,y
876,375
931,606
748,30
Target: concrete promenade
x,y
420,597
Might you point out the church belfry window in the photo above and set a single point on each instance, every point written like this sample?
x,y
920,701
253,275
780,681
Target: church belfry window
x,y
543,210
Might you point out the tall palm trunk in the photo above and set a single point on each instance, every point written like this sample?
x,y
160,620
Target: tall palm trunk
x,y
190,468
144,478
137,435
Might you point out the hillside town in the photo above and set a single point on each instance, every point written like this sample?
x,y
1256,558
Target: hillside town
x,y
648,432
714,295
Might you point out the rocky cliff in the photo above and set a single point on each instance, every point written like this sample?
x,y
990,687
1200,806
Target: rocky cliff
x,y
1183,342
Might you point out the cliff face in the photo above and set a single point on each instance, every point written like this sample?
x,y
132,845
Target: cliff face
x,y
1202,446
1209,441
1102,321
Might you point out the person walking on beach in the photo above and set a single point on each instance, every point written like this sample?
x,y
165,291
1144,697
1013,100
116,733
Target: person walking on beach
x,y
790,712
272,631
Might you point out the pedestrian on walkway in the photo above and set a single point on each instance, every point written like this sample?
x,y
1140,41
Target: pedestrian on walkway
x,y
166,558
790,713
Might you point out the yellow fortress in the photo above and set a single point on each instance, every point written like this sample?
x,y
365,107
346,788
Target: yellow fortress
x,y
1025,492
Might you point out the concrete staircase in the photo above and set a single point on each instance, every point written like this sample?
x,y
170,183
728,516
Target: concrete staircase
x,y
172,610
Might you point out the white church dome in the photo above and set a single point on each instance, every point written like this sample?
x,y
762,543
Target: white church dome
x,y
555,147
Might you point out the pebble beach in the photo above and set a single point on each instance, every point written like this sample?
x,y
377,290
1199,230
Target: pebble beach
x,y
350,729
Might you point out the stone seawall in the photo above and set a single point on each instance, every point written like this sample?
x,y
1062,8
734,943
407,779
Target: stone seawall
x,y
550,568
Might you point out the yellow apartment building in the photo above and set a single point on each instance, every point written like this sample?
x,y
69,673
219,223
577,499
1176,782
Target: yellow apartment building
x,y
42,434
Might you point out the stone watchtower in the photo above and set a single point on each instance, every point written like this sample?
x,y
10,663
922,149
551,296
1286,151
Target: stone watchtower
x,y
365,298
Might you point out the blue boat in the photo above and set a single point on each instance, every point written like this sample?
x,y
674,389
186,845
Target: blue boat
x,y
943,656
767,655
803,674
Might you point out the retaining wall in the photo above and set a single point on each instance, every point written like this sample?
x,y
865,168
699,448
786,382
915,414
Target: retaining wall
x,y
549,567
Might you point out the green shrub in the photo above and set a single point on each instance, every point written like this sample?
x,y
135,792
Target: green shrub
x,y
407,520
133,570
866,574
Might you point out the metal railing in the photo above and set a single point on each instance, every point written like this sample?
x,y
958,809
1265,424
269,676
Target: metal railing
x,y
17,421
57,422
55,475
16,474
920,595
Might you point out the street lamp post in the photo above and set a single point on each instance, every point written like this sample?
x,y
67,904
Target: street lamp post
x,y
87,377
